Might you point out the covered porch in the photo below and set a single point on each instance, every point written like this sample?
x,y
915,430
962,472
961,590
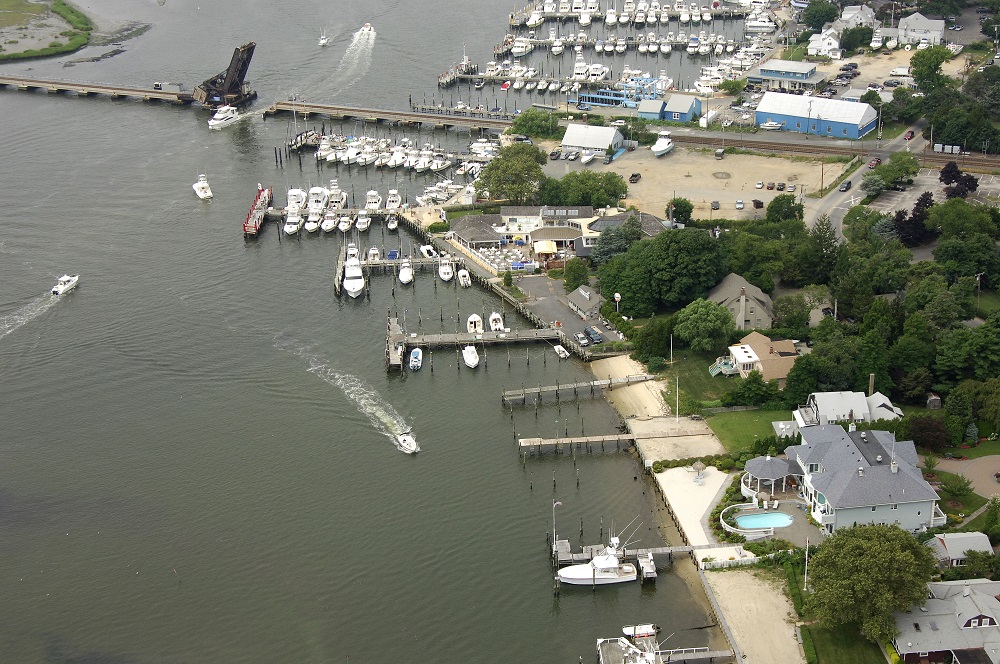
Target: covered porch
x,y
778,478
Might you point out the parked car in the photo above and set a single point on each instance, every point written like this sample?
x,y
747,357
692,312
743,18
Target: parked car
x,y
617,123
780,186
791,187
874,162
758,204
574,155
760,184
739,204
844,186
581,339
583,107
594,335
555,154
715,205
770,185
635,177
908,135
607,159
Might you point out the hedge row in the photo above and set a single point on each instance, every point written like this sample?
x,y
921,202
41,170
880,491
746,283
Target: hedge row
x,y
623,326
73,16
791,573
808,646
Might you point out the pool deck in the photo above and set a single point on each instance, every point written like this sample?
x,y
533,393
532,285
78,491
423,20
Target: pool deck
x,y
800,528
691,500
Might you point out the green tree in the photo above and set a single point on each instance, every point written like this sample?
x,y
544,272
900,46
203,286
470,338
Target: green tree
x,y
705,326
791,311
926,67
653,338
538,123
576,274
733,87
819,13
872,184
854,38
615,240
586,187
752,391
872,98
976,254
928,432
834,365
957,218
861,575
515,175
957,485
783,207
679,210
930,462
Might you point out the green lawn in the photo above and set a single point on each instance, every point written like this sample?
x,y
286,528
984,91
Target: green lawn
x,y
695,381
737,430
989,303
985,448
796,52
964,505
842,643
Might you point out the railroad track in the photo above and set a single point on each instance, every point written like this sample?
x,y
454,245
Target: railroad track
x,y
968,162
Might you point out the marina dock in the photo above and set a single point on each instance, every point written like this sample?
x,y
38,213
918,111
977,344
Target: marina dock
x,y
509,397
537,446
615,651
445,117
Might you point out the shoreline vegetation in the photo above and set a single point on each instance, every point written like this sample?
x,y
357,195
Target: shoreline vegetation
x,y
39,38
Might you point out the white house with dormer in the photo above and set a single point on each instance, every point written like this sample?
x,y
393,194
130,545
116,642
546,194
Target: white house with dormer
x,y
851,478
916,27
957,623
858,16
826,43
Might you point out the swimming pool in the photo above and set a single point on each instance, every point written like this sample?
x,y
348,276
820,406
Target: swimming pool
x,y
764,520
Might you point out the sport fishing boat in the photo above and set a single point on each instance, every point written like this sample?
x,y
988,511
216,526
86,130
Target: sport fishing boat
x,y
406,272
604,569
363,221
470,356
201,188
354,278
393,201
464,278
224,116
65,284
416,359
446,270
406,442
663,144
293,220
496,322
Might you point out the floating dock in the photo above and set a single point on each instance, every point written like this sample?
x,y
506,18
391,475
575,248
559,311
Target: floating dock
x,y
445,117
568,444
258,211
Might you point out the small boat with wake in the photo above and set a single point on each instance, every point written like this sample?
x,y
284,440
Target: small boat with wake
x,y
407,443
224,116
65,284
201,188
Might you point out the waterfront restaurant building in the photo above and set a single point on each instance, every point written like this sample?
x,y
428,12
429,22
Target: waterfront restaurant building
x,y
787,75
816,115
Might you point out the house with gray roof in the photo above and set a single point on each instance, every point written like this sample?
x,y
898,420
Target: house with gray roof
x,y
916,27
850,407
591,137
853,478
650,224
751,307
586,302
957,623
951,549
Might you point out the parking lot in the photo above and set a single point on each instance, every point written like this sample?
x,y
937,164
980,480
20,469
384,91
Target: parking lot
x,y
925,180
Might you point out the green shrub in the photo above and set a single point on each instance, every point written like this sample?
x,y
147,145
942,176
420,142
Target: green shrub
x,y
55,44
808,647
891,651
656,364
439,227
657,466
73,16
726,465
556,273
793,587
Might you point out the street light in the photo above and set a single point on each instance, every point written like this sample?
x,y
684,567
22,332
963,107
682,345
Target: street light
x,y
618,298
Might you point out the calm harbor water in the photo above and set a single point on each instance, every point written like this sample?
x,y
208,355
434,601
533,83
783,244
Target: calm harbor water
x,y
195,454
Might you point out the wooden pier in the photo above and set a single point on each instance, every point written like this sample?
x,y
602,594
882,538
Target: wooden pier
x,y
87,89
619,651
568,444
509,397
444,117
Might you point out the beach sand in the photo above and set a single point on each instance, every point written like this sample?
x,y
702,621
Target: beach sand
x,y
759,615
639,400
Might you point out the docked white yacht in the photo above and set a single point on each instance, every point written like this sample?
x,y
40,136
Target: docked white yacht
x,y
373,201
293,220
316,207
393,201
470,356
344,223
535,19
201,188
464,278
522,46
392,222
336,198
374,255
406,272
496,322
65,284
427,251
329,222
354,278
224,116
446,269
475,324
363,221
416,359
297,198
604,569
663,144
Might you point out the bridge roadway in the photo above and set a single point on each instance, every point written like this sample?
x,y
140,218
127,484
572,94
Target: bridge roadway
x,y
486,120
86,89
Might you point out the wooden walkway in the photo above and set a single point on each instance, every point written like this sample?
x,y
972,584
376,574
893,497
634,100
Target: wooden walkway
x,y
620,651
87,89
568,444
483,339
510,396
445,118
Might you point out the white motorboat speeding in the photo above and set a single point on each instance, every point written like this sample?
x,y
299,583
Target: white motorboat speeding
x,y
65,284
354,278
406,272
471,357
475,324
464,278
604,569
407,443
323,39
663,144
416,359
496,322
446,270
224,116
201,188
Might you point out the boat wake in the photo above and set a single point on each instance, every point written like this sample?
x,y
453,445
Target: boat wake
x,y
26,314
370,403
356,61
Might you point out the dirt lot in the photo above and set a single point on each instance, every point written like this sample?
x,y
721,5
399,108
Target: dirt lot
x,y
697,175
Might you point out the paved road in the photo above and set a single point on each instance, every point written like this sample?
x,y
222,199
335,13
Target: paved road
x,y
980,471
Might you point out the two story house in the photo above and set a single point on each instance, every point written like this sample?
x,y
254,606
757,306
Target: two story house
x,y
958,623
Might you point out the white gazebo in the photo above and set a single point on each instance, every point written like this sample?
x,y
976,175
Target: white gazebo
x,y
765,473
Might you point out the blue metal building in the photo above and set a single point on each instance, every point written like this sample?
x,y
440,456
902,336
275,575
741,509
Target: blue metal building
x,y
817,115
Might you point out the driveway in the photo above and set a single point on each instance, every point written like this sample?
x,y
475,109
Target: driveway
x,y
547,300
980,471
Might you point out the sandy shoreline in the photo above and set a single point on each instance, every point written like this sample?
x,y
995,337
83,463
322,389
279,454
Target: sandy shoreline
x,y
47,28
639,400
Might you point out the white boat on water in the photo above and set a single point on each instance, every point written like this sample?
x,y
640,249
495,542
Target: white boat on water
x,y
374,254
224,116
604,569
323,39
293,220
496,322
201,188
427,251
367,29
393,201
329,222
641,631
446,269
464,278
392,222
406,442
475,324
354,278
416,359
336,199
663,144
470,357
406,272
315,208
561,351
373,201
363,222
344,223
65,284
297,198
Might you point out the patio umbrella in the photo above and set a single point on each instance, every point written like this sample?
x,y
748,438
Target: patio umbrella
x,y
763,495
699,467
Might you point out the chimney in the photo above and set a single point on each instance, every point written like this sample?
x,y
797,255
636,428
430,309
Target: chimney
x,y
864,436
966,591
878,459
871,384
743,291
861,471
894,467
771,351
